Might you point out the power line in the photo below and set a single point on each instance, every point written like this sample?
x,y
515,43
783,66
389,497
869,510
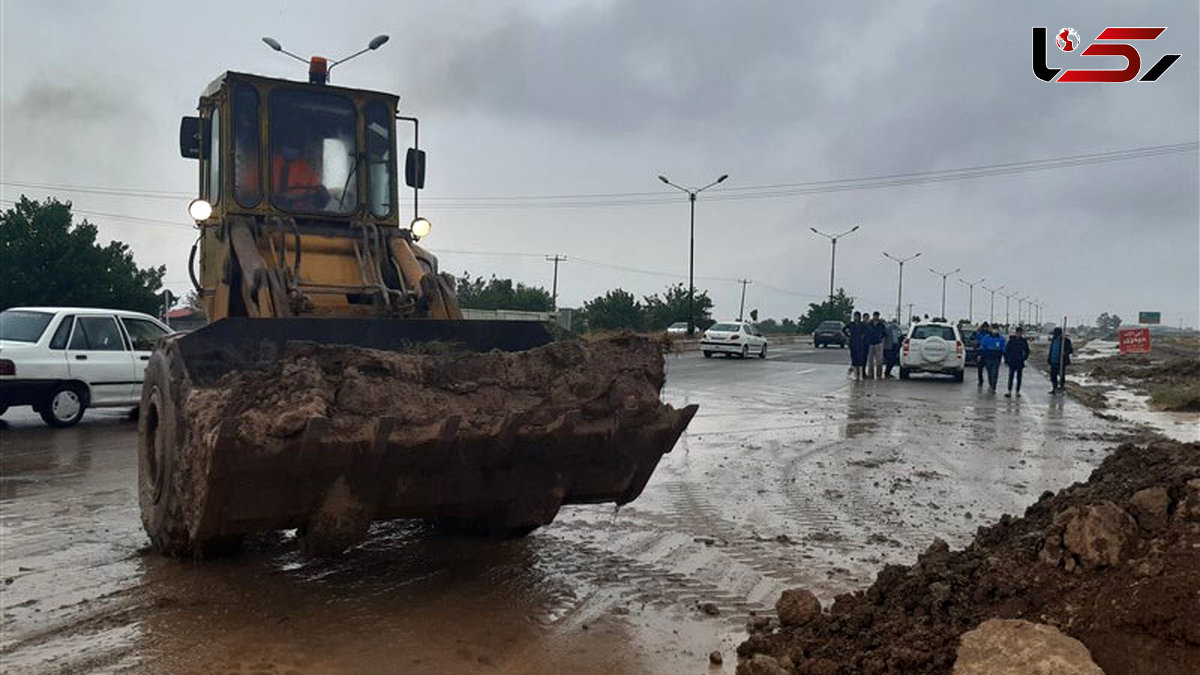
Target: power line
x,y
751,192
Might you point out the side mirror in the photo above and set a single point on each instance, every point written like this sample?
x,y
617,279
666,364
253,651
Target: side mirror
x,y
192,134
414,168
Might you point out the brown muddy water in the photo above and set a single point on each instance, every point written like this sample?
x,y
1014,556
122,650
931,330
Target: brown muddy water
x,y
791,475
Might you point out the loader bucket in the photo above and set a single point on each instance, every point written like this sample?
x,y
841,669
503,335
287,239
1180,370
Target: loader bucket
x,y
325,425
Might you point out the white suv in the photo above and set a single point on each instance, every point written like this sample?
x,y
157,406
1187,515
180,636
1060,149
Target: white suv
x,y
933,347
733,338
64,360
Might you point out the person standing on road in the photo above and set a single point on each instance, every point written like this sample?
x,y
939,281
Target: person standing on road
x,y
876,334
979,366
1059,358
1016,352
856,332
891,348
991,351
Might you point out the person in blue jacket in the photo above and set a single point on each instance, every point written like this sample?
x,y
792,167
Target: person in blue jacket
x,y
991,351
1015,355
1059,358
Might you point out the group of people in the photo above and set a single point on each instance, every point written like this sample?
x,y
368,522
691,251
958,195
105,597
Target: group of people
x,y
1014,352
874,346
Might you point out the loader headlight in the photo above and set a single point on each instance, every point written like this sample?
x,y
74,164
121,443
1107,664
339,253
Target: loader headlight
x,y
199,210
420,227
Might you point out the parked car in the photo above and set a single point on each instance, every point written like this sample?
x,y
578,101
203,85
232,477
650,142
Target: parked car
x,y
677,328
970,340
933,347
733,338
829,333
64,360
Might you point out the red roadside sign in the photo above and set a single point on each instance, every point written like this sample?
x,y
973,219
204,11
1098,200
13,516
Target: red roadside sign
x,y
1134,340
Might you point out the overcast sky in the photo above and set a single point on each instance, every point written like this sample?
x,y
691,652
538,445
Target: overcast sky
x,y
592,97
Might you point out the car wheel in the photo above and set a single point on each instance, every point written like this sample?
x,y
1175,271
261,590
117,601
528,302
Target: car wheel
x,y
745,351
763,353
708,355
64,408
904,373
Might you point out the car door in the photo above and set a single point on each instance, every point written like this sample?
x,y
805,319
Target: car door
x,y
144,335
98,355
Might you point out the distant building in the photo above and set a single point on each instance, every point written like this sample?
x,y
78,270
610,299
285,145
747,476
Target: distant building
x,y
186,318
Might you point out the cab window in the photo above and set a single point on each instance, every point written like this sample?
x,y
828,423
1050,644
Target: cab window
x,y
379,126
247,184
144,334
314,151
214,158
97,333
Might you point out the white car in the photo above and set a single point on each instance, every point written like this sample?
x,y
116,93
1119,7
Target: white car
x,y
64,360
677,328
730,338
933,347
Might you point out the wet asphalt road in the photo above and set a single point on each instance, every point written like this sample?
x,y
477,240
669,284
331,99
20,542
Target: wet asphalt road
x,y
790,475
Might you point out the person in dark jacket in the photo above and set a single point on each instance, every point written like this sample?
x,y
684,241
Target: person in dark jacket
x,y
1059,358
857,331
891,348
991,351
1016,352
876,336
979,366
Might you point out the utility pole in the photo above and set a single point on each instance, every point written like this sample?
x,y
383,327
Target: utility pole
x,y
742,306
992,306
833,238
943,275
910,311
554,292
971,298
900,285
691,193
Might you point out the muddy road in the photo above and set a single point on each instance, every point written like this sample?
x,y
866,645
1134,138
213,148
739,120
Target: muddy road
x,y
790,475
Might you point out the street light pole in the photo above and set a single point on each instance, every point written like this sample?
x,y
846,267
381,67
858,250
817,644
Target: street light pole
x,y
900,285
1007,297
691,193
833,254
992,305
971,298
943,275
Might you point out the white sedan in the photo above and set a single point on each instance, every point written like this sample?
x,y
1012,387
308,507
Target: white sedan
x,y
64,360
733,338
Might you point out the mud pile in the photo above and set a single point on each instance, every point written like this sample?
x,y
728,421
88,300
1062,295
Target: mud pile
x,y
353,387
1113,562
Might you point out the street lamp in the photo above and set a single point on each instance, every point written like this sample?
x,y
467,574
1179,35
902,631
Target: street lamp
x,y
971,297
691,193
900,285
1007,297
992,305
833,260
943,275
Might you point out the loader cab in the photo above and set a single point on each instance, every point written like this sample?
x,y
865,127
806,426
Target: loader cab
x,y
315,153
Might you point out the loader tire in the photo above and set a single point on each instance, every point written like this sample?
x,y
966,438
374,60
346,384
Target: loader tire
x,y
161,435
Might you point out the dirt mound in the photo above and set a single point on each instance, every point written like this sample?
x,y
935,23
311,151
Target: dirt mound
x,y
1177,369
1113,562
352,387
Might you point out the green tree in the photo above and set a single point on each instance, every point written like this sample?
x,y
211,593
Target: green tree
x,y
45,259
615,310
837,308
672,305
1107,322
496,293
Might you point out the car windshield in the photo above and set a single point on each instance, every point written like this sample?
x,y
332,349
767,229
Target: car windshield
x,y
23,326
313,151
679,324
930,330
726,327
